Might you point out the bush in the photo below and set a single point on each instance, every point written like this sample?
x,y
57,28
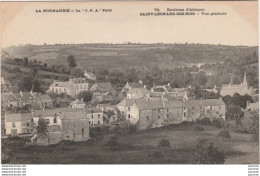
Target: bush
x,y
113,143
204,121
164,143
218,122
132,128
224,134
199,128
206,153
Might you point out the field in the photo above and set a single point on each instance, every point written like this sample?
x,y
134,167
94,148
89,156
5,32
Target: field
x,y
142,148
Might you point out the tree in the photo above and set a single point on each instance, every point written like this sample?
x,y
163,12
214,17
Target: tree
x,y
25,61
254,126
164,143
28,83
206,153
86,95
76,72
113,143
72,61
34,71
45,65
224,134
42,126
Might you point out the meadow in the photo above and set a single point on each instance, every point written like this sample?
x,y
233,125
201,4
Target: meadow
x,y
141,148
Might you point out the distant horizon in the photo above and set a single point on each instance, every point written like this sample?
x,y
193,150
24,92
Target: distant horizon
x,y
107,43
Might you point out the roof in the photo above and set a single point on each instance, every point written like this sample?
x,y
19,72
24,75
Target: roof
x,y
78,80
53,128
135,85
77,102
205,102
145,105
104,87
62,84
73,115
44,98
51,112
5,97
174,104
18,117
93,110
126,102
138,90
89,74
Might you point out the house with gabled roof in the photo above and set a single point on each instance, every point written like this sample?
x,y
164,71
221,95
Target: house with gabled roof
x,y
18,123
78,103
90,75
129,86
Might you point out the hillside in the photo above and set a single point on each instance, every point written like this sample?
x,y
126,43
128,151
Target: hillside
x,y
125,55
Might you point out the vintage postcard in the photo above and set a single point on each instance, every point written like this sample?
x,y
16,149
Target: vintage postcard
x,y
172,82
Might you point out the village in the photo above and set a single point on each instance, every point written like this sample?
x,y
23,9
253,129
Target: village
x,y
160,106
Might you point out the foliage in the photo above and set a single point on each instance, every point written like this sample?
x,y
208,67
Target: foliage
x,y
72,61
25,61
42,126
234,112
218,122
113,142
27,83
204,121
206,153
254,126
164,143
198,128
224,134
86,95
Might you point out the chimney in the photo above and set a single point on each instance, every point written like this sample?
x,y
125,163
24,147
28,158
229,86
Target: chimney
x,y
169,84
140,81
145,86
21,93
247,103
190,86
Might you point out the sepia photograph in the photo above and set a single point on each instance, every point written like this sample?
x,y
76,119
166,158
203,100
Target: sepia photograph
x,y
129,82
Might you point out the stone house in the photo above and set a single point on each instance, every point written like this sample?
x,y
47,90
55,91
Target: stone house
x,y
129,86
135,93
148,114
78,103
72,87
18,123
125,107
174,111
75,126
95,116
106,108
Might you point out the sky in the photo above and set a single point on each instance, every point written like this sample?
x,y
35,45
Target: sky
x,y
20,24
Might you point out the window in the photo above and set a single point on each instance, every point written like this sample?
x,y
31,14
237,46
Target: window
x,y
47,121
82,130
129,116
28,124
89,122
55,120
167,110
98,122
13,125
128,108
92,116
98,115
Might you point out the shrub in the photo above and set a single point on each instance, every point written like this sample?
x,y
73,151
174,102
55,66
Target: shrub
x,y
132,128
224,134
113,143
199,128
164,143
218,122
204,121
206,153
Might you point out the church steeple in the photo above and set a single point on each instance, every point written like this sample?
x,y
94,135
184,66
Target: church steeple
x,y
245,81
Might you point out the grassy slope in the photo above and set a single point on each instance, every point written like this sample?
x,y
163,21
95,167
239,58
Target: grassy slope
x,y
141,148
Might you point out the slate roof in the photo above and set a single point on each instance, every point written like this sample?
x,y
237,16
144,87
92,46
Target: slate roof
x,y
104,87
135,85
51,112
93,110
73,115
174,104
77,102
18,117
145,105
126,102
138,90
205,102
